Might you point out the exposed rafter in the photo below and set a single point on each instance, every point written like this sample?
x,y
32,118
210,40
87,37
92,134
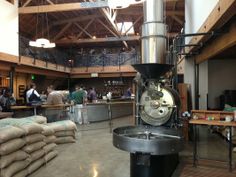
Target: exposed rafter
x,y
103,24
107,39
105,19
110,20
181,22
50,2
76,19
137,12
62,31
26,3
97,40
61,7
136,21
84,29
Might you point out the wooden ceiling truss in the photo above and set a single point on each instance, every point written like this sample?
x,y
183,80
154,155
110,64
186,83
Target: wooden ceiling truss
x,y
82,21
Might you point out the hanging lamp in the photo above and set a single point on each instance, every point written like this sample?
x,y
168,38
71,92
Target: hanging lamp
x,y
42,41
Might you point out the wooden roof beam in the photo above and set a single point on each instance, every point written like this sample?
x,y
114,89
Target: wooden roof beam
x,y
177,19
166,1
76,19
26,3
61,7
97,40
110,20
113,25
217,46
107,39
136,21
62,31
101,22
84,29
50,2
136,12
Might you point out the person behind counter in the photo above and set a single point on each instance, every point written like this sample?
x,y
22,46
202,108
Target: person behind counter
x,y
43,96
92,95
53,96
32,94
128,92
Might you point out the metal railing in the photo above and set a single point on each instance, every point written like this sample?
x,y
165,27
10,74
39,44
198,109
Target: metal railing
x,y
85,60
106,60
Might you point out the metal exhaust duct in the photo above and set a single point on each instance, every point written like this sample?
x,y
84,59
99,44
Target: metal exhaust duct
x,y
153,33
153,64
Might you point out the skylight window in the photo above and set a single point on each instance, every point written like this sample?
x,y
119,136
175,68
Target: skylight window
x,y
126,27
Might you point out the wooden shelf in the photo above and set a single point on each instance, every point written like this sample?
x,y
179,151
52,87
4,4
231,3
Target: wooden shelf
x,y
204,114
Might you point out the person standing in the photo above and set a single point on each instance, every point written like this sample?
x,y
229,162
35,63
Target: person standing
x,y
32,94
53,96
92,95
6,100
79,99
128,92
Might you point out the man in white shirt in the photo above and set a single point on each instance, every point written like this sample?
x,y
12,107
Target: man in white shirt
x,y
30,91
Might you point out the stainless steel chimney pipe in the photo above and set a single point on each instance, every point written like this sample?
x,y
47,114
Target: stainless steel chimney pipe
x,y
153,32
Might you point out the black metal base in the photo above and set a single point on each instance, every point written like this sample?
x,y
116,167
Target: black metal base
x,y
146,165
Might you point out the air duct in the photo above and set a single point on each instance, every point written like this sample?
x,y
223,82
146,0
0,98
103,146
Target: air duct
x,y
153,64
153,32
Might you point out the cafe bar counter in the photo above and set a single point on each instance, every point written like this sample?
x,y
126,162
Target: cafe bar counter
x,y
94,112
108,110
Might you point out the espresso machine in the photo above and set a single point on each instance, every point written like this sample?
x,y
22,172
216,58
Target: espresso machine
x,y
155,141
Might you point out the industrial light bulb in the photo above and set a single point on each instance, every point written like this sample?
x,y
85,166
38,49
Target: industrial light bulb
x,y
50,45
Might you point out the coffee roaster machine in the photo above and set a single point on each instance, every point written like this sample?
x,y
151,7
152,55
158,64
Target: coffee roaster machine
x,y
156,140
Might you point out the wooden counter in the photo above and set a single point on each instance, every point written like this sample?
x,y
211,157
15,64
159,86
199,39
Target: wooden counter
x,y
212,122
42,106
5,114
52,112
203,114
196,122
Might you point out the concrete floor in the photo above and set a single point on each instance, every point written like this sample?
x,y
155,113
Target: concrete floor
x,y
93,155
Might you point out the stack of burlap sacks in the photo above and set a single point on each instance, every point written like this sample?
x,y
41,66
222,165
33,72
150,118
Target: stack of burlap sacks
x,y
64,131
26,144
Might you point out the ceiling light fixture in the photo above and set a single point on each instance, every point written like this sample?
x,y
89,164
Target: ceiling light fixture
x,y
42,42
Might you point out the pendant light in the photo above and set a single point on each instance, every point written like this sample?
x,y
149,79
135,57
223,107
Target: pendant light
x,y
42,41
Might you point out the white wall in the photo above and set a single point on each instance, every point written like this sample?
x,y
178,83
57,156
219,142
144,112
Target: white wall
x,y
189,76
9,28
222,75
203,85
196,12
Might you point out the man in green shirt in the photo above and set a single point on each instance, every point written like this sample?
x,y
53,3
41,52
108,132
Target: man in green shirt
x,y
79,97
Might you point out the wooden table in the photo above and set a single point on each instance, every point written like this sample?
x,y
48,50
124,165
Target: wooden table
x,y
47,106
43,106
5,114
212,122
